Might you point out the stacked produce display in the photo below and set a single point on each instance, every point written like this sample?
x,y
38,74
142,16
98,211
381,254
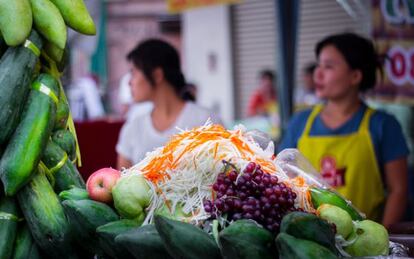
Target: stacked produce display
x,y
215,193
37,138
208,192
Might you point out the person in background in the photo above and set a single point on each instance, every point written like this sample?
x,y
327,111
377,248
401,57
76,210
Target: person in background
x,y
130,108
306,95
263,101
190,92
156,76
359,151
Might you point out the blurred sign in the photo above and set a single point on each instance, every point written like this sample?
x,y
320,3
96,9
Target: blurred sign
x,y
393,32
175,6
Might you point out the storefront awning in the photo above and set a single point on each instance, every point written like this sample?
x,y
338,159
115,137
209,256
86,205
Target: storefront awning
x,y
175,6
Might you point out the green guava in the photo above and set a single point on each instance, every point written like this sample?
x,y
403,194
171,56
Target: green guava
x,y
371,239
131,195
337,216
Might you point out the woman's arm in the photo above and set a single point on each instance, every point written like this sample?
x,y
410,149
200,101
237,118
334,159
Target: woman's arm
x,y
123,162
397,178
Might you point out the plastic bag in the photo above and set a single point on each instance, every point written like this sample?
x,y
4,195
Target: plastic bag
x,y
294,164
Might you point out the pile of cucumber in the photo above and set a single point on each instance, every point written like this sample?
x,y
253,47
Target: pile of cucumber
x,y
38,147
100,232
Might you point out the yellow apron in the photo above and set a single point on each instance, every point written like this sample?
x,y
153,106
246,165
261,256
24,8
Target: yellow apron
x,y
348,163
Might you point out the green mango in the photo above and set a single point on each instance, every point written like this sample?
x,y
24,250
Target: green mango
x,y
15,21
49,22
76,16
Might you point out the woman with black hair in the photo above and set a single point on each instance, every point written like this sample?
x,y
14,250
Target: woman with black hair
x,y
359,151
156,76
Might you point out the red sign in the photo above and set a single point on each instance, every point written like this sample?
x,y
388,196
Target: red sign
x,y
393,32
181,5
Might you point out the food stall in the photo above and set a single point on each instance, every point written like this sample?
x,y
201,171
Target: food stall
x,y
209,192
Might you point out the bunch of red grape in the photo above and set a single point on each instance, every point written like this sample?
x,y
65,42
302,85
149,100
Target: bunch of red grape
x,y
251,194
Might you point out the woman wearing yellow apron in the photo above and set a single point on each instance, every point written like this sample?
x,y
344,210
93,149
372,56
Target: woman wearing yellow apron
x,y
359,151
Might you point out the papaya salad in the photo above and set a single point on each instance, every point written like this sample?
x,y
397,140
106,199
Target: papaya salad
x,y
210,171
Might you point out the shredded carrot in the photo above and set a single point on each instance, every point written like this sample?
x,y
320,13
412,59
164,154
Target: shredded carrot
x,y
168,159
215,150
184,170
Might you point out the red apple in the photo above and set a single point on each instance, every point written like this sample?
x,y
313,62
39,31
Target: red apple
x,y
100,183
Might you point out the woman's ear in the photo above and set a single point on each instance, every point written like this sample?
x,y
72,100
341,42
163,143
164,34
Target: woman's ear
x,y
158,75
356,77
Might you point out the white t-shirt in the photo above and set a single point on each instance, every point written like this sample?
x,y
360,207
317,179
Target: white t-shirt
x,y
138,136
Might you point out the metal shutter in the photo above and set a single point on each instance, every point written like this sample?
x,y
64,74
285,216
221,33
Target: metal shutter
x,y
254,39
320,18
253,24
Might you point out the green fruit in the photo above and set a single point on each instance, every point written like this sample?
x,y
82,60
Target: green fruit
x,y
65,140
337,216
371,239
290,247
310,227
54,52
45,217
62,112
25,246
177,214
76,16
15,21
107,234
131,196
143,243
17,67
74,193
30,138
322,196
85,216
65,173
245,239
8,225
49,22
185,241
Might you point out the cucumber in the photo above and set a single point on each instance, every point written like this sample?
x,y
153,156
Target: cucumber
x,y
24,246
62,112
45,216
245,239
107,234
310,227
8,226
290,247
25,147
16,68
15,21
74,193
65,140
76,16
322,196
143,243
67,175
49,22
85,216
183,240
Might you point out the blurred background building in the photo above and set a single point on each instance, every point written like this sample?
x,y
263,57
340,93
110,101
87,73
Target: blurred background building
x,y
224,44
